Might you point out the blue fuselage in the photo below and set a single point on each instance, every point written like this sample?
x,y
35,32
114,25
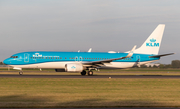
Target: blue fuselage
x,y
38,57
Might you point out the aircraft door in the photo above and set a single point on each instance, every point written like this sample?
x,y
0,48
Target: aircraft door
x,y
80,59
138,58
26,57
138,61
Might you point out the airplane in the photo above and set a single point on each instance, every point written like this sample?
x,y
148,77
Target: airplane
x,y
82,61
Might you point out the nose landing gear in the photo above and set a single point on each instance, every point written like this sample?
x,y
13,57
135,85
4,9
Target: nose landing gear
x,y
20,72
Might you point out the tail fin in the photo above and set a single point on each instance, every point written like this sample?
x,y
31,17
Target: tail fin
x,y
153,42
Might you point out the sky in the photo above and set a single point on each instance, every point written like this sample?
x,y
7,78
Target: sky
x,y
72,25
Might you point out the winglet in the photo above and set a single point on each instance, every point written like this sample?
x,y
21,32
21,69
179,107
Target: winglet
x,y
90,50
131,52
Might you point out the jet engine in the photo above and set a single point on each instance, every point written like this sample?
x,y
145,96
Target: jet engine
x,y
72,67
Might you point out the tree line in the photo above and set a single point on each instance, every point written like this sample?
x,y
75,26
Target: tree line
x,y
174,64
1,63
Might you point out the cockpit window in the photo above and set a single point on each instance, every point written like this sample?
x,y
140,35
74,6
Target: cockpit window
x,y
14,57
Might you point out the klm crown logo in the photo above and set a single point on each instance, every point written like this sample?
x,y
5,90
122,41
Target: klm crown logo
x,y
73,67
152,43
153,40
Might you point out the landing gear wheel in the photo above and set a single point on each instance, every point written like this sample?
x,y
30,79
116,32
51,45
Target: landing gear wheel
x,y
83,72
90,73
20,72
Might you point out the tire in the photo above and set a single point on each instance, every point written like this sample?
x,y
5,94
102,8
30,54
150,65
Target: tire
x,y
83,72
90,73
21,72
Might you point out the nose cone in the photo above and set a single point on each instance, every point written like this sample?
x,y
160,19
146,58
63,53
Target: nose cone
x,y
6,61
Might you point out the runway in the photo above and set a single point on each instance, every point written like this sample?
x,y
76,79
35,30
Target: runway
x,y
94,76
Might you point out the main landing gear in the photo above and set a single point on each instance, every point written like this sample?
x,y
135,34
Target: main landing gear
x,y
20,72
90,73
83,72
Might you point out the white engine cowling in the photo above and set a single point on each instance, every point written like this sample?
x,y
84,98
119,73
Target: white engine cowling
x,y
73,67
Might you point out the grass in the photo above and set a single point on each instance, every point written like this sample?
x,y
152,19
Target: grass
x,y
60,92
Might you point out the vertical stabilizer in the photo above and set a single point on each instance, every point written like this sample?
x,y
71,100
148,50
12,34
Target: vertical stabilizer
x,y
153,42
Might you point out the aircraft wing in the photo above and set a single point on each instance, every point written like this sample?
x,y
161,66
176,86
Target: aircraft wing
x,y
161,55
110,60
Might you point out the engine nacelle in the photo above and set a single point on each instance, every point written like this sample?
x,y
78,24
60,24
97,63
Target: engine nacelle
x,y
73,67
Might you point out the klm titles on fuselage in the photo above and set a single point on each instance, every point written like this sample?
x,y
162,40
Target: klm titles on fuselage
x,y
152,43
38,55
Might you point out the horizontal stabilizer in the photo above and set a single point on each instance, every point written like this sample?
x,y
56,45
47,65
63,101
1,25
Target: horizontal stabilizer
x,y
161,55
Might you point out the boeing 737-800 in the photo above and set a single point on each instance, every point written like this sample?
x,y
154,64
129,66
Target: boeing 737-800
x,y
82,61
